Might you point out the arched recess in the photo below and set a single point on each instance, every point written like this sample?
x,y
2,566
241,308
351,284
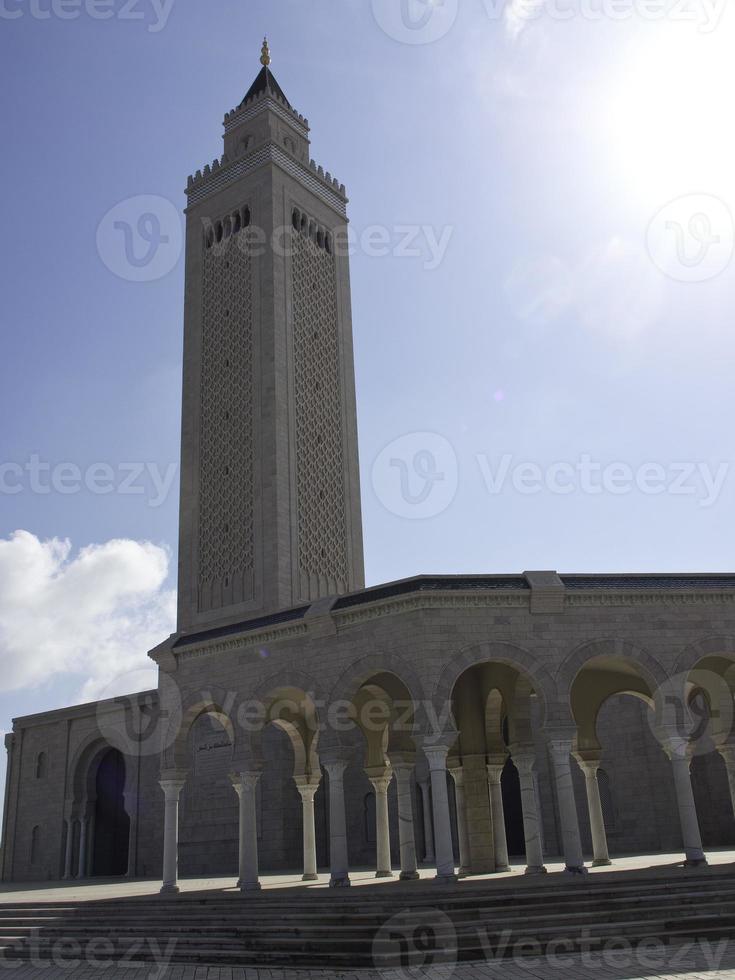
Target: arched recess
x,y
496,705
176,753
614,691
520,664
110,841
705,680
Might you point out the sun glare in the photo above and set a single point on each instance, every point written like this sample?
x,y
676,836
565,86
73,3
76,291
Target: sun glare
x,y
670,124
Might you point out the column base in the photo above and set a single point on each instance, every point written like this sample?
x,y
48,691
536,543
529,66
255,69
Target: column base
x,y
309,877
340,882
249,886
408,876
501,868
383,874
169,890
576,870
535,869
464,872
445,879
602,863
696,863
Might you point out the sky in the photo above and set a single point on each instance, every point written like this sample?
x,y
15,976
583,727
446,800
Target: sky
x,y
541,204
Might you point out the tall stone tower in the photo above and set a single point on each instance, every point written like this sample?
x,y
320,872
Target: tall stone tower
x,y
270,495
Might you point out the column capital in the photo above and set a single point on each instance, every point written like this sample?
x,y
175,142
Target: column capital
x,y
380,777
436,748
677,747
456,771
525,762
589,762
335,768
172,782
245,781
307,786
494,772
560,745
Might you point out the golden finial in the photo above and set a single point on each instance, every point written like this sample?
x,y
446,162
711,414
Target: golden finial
x,y
265,54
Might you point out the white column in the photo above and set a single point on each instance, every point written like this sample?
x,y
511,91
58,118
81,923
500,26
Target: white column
x,y
69,848
436,755
561,749
307,788
524,763
457,773
678,752
244,784
589,767
82,864
494,774
428,822
171,787
338,858
404,770
380,781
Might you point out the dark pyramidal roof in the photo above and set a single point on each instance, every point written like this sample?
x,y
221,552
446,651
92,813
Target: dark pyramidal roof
x,y
265,82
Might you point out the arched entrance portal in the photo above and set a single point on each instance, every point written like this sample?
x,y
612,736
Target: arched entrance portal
x,y
111,822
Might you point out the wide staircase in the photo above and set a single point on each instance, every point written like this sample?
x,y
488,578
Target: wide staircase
x,y
393,925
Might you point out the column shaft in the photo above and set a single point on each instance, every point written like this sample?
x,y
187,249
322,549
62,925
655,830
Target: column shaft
x,y
437,758
590,769
494,774
338,856
82,863
307,789
428,821
245,784
406,837
524,763
462,833
172,791
691,836
69,848
572,843
380,784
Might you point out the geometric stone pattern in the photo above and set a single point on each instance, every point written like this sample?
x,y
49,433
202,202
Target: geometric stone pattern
x,y
226,547
320,487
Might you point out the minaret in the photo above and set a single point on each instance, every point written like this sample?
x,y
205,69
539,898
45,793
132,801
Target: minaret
x,y
270,494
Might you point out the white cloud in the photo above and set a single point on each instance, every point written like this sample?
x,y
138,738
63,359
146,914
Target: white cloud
x,y
94,614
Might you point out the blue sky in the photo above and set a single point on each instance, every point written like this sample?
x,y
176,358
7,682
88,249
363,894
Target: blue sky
x,y
578,322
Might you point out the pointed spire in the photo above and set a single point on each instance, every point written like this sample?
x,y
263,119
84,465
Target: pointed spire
x,y
265,82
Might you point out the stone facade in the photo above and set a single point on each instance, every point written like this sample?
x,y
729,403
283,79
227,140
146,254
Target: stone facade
x,y
302,721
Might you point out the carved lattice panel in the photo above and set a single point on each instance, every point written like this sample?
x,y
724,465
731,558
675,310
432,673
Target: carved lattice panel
x,y
320,477
226,546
